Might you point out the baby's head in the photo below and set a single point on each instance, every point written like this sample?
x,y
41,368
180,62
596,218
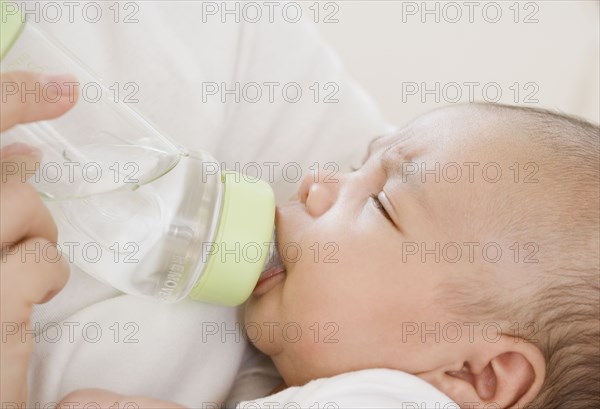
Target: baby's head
x,y
474,266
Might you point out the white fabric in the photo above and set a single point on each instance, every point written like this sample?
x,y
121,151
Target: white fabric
x,y
169,53
552,61
370,388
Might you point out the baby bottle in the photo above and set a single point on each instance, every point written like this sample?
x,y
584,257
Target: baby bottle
x,y
134,209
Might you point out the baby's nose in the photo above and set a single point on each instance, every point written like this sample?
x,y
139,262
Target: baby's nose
x,y
318,197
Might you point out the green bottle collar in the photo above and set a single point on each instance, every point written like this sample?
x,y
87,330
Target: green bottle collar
x,y
11,25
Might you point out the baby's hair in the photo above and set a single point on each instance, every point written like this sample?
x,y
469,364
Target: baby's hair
x,y
561,297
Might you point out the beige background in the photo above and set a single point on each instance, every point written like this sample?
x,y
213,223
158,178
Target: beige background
x,y
559,54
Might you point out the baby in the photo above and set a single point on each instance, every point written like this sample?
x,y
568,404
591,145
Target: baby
x,y
466,254
464,251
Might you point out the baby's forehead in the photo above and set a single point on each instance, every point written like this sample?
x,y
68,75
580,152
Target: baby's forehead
x,y
460,160
466,132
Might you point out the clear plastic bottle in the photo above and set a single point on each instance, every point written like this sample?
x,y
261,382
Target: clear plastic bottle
x,y
134,209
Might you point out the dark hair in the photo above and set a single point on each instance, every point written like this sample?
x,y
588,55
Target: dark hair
x,y
562,296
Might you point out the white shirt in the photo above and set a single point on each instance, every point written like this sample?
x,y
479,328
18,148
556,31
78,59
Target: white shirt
x,y
369,388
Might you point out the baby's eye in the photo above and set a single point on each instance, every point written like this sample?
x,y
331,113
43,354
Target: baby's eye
x,y
379,206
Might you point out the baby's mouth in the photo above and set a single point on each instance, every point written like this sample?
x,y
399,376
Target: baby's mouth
x,y
273,272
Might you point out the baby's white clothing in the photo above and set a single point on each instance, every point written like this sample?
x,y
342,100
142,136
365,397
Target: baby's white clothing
x,y
369,388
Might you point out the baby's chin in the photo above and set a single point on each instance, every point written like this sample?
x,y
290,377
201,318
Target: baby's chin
x,y
258,328
261,312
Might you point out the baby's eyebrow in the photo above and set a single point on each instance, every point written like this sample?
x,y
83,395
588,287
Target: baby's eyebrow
x,y
393,159
400,135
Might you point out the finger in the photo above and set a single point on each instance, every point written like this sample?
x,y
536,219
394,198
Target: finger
x,y
28,97
23,215
104,399
13,387
33,271
18,162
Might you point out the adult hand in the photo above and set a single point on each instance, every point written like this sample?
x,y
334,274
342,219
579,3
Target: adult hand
x,y
100,398
31,269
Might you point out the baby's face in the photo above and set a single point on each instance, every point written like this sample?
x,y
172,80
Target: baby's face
x,y
369,273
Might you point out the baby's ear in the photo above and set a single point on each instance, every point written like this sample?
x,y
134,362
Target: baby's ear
x,y
506,373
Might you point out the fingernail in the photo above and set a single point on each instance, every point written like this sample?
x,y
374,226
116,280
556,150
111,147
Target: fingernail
x,y
60,85
20,149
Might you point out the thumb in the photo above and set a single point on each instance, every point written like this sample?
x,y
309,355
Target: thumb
x,y
28,97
